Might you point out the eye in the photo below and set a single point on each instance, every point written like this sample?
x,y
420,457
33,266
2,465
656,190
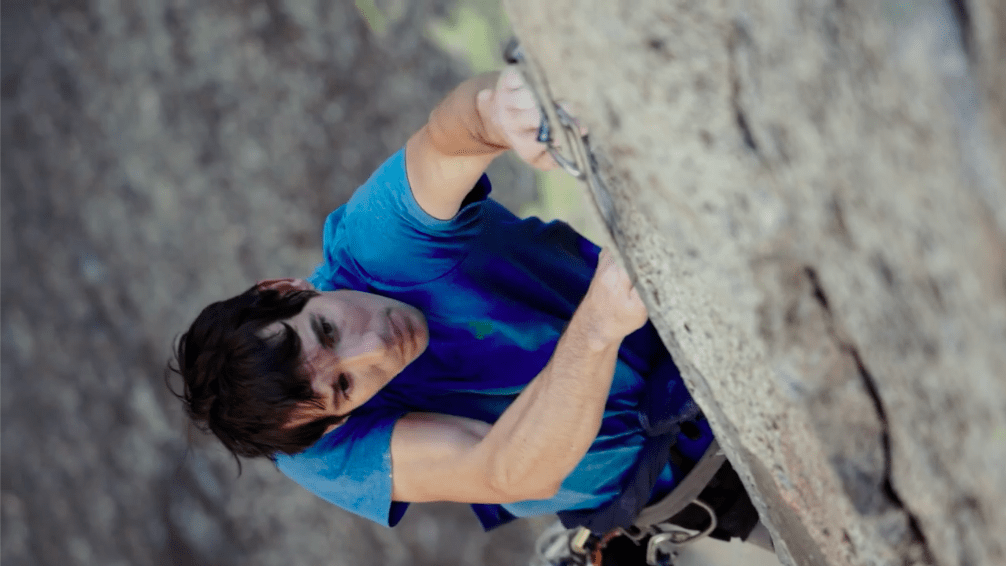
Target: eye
x,y
328,333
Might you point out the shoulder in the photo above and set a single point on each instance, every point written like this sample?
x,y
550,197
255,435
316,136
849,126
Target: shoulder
x,y
349,467
387,235
363,441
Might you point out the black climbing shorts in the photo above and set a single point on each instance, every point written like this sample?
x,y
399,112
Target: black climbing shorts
x,y
736,516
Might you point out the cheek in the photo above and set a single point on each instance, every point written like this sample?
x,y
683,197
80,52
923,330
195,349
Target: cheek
x,y
370,383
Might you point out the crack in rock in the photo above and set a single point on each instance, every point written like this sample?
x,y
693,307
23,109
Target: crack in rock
x,y
962,14
870,384
737,40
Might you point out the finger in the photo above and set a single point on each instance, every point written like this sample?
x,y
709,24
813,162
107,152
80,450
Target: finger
x,y
604,258
521,99
525,120
512,79
484,96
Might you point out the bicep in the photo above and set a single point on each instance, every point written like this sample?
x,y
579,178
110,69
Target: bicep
x,y
439,458
441,180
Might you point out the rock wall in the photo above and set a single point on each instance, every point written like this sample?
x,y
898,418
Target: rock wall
x,y
813,195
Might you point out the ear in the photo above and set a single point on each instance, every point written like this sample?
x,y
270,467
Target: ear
x,y
285,285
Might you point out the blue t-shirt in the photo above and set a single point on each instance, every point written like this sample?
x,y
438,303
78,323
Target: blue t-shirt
x,y
497,292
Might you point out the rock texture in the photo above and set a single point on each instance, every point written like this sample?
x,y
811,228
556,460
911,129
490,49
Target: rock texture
x,y
813,195
159,155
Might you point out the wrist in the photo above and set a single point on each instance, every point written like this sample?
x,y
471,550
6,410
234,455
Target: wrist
x,y
592,331
457,126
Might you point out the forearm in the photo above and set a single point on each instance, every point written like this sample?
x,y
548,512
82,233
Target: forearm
x,y
548,429
457,128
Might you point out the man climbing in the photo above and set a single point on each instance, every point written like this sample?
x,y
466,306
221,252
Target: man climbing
x,y
446,350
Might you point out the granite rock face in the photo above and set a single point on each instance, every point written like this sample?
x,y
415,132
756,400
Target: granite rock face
x,y
157,156
813,196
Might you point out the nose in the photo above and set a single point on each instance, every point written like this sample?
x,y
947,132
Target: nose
x,y
366,346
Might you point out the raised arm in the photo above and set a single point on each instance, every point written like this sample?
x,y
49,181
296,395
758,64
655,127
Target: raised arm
x,y
545,433
475,123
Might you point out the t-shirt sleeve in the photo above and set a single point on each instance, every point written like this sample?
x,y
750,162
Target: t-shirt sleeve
x,y
394,241
351,468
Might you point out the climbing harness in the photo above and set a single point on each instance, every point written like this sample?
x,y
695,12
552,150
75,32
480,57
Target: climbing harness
x,y
558,546
657,544
687,491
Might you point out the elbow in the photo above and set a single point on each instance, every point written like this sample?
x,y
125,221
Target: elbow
x,y
547,492
510,489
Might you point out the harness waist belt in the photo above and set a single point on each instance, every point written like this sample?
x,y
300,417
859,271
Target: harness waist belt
x,y
685,492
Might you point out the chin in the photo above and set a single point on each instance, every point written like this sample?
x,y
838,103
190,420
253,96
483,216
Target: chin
x,y
421,343
424,343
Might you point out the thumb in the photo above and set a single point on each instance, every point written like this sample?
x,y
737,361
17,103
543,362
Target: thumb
x,y
483,100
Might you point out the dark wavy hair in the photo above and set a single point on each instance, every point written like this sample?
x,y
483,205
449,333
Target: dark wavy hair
x,y
244,388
